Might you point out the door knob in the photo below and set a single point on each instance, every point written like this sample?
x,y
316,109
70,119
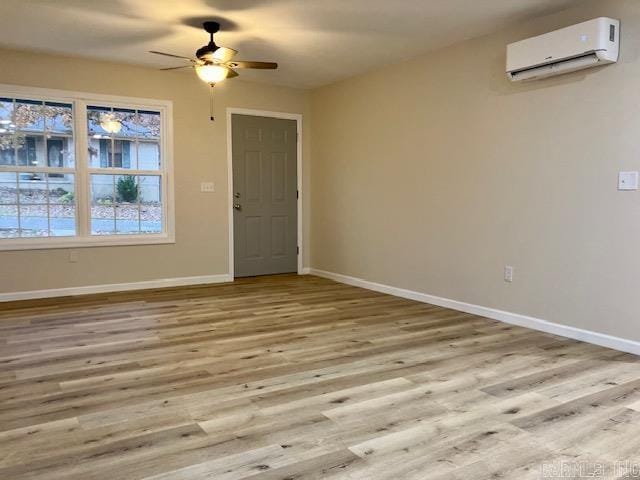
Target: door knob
x,y
237,206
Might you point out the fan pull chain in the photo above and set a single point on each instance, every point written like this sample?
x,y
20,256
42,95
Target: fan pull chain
x,y
211,101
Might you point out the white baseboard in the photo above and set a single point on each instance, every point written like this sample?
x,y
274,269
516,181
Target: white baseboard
x,y
305,271
588,336
115,287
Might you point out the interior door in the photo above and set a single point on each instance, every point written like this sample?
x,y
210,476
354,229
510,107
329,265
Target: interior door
x,y
265,216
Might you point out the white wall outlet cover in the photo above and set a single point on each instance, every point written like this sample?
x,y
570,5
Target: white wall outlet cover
x,y
207,187
628,181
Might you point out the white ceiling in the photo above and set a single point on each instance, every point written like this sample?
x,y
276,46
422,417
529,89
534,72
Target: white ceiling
x,y
315,42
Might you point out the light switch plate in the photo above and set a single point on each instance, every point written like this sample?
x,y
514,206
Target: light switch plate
x,y
628,181
207,187
508,273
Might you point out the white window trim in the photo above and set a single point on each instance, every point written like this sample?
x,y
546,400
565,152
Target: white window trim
x,y
80,100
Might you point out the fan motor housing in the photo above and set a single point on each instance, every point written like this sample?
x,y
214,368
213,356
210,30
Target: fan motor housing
x,y
210,28
206,50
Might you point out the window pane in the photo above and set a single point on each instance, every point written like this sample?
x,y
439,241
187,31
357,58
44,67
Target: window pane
x,y
127,120
28,116
8,140
61,188
127,189
9,221
8,188
6,112
127,212
60,152
124,154
58,118
148,124
31,150
7,149
99,152
96,117
102,189
148,156
102,204
103,220
127,218
62,220
34,221
32,188
150,204
62,204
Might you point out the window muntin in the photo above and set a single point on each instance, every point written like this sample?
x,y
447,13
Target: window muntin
x,y
112,191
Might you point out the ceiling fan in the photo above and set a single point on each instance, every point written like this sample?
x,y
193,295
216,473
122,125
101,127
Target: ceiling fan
x,y
214,63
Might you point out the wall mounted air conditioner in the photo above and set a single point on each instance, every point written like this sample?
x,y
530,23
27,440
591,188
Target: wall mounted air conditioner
x,y
586,45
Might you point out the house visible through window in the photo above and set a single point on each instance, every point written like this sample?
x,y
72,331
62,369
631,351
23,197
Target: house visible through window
x,y
116,154
123,177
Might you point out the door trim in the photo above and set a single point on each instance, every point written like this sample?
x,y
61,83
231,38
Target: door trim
x,y
263,113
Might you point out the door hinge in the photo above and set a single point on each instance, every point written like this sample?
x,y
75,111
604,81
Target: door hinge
x,y
298,250
297,194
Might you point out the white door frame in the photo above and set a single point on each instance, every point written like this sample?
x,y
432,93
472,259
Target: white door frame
x,y
263,113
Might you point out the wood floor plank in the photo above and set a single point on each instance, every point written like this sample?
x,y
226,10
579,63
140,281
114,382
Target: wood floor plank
x,y
297,377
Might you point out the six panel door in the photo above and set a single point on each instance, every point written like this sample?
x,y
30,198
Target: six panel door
x,y
264,195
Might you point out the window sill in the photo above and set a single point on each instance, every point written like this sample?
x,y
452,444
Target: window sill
x,y
97,241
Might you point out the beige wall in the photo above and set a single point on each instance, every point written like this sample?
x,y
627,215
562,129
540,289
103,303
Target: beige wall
x,y
434,174
201,246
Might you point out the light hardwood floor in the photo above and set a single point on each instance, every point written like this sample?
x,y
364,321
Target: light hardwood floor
x,y
292,378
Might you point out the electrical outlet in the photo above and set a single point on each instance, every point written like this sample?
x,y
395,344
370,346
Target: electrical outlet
x,y
508,273
207,187
73,256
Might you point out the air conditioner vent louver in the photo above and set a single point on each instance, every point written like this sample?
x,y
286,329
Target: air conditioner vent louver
x,y
557,68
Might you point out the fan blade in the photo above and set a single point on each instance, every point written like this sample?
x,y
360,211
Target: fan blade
x,y
261,65
224,54
172,55
232,73
177,68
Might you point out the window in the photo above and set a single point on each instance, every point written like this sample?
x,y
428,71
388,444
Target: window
x,y
80,170
129,203
37,169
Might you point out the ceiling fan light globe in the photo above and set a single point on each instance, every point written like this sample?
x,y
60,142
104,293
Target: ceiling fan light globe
x,y
110,124
212,73
114,127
